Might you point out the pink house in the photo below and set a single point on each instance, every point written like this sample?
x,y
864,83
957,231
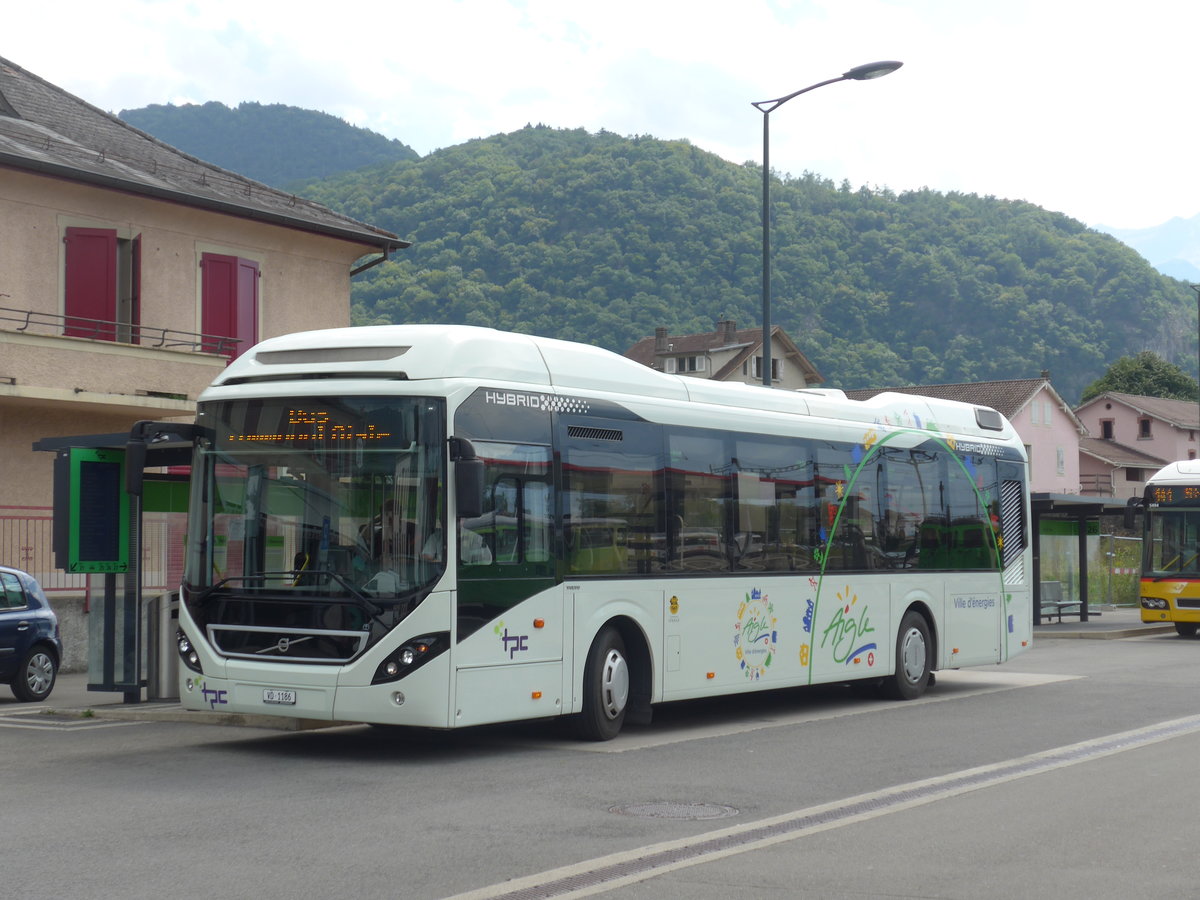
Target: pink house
x,y
1131,438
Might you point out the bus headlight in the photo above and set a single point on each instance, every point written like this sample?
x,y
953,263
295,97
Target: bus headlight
x,y
410,656
187,652
1155,603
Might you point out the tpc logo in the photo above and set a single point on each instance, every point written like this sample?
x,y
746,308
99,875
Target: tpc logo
x,y
512,643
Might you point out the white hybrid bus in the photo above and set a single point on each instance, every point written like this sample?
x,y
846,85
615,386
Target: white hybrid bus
x,y
446,526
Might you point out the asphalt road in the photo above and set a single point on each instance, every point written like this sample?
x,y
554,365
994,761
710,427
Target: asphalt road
x,y
1067,773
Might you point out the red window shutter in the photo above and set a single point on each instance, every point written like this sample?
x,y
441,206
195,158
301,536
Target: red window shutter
x,y
218,297
247,308
135,286
90,289
229,302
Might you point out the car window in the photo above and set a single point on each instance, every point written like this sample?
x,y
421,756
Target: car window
x,y
12,596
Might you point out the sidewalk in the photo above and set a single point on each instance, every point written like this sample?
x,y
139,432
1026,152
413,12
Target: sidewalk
x,y
71,696
1104,623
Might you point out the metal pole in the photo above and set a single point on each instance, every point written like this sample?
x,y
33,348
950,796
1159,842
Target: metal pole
x,y
766,250
1196,288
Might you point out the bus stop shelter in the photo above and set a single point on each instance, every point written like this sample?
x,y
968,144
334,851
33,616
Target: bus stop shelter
x,y
1081,514
112,502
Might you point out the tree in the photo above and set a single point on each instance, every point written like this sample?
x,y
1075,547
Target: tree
x,y
1146,375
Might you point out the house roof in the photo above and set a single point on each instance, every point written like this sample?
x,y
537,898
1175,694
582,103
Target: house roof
x,y
1118,455
1006,397
44,129
743,343
1180,413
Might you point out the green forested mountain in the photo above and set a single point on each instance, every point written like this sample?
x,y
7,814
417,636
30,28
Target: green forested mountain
x,y
274,144
601,238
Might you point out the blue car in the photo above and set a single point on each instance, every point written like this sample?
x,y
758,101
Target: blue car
x,y
30,646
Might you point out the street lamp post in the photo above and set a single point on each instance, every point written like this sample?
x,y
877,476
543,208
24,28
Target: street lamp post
x,y
1196,288
766,107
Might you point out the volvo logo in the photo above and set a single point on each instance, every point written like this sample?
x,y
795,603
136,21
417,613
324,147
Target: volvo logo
x,y
283,645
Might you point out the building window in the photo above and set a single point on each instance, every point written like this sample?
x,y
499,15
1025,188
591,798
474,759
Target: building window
x,y
228,303
685,364
1134,475
1106,429
776,368
102,285
1060,460
1144,428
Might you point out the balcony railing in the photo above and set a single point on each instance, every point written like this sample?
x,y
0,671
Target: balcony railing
x,y
1096,485
33,322
27,541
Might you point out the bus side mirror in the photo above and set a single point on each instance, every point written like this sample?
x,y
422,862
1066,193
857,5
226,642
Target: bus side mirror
x,y
468,478
1133,506
135,465
175,437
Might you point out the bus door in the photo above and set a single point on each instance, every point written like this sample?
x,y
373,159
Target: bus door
x,y
985,534
614,524
509,611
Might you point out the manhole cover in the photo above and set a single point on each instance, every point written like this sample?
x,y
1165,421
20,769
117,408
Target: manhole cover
x,y
675,810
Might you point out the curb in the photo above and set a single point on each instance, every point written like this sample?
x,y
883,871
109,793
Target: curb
x,y
1110,635
173,712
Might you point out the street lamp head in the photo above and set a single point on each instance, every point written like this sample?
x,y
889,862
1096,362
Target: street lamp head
x,y
872,70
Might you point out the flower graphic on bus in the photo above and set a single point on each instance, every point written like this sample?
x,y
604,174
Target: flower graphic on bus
x,y
755,637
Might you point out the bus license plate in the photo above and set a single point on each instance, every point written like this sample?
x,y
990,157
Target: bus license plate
x,y
271,695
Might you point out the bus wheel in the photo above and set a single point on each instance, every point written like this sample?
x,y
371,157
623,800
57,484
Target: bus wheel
x,y
1186,629
605,688
912,659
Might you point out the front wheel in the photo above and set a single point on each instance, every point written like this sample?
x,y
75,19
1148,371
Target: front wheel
x,y
35,676
1186,629
605,688
913,664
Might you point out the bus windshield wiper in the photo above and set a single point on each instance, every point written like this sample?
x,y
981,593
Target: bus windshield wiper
x,y
356,596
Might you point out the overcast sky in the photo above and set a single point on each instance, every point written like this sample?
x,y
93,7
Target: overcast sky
x,y
1087,107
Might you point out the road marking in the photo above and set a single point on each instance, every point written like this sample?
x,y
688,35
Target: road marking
x,y
606,873
951,685
33,721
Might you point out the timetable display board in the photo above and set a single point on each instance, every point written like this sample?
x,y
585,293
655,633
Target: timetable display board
x,y
96,513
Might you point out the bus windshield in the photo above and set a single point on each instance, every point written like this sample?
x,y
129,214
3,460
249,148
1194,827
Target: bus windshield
x,y
1172,547
329,499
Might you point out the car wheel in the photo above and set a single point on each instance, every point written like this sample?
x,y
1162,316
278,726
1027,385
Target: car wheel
x,y
36,675
1186,629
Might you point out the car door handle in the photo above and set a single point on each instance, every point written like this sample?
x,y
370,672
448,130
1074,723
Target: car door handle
x,y
22,626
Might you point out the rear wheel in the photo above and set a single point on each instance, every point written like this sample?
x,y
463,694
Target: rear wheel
x,y
35,677
1186,629
913,652
605,688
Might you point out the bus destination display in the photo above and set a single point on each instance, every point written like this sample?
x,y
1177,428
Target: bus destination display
x,y
1175,493
307,427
